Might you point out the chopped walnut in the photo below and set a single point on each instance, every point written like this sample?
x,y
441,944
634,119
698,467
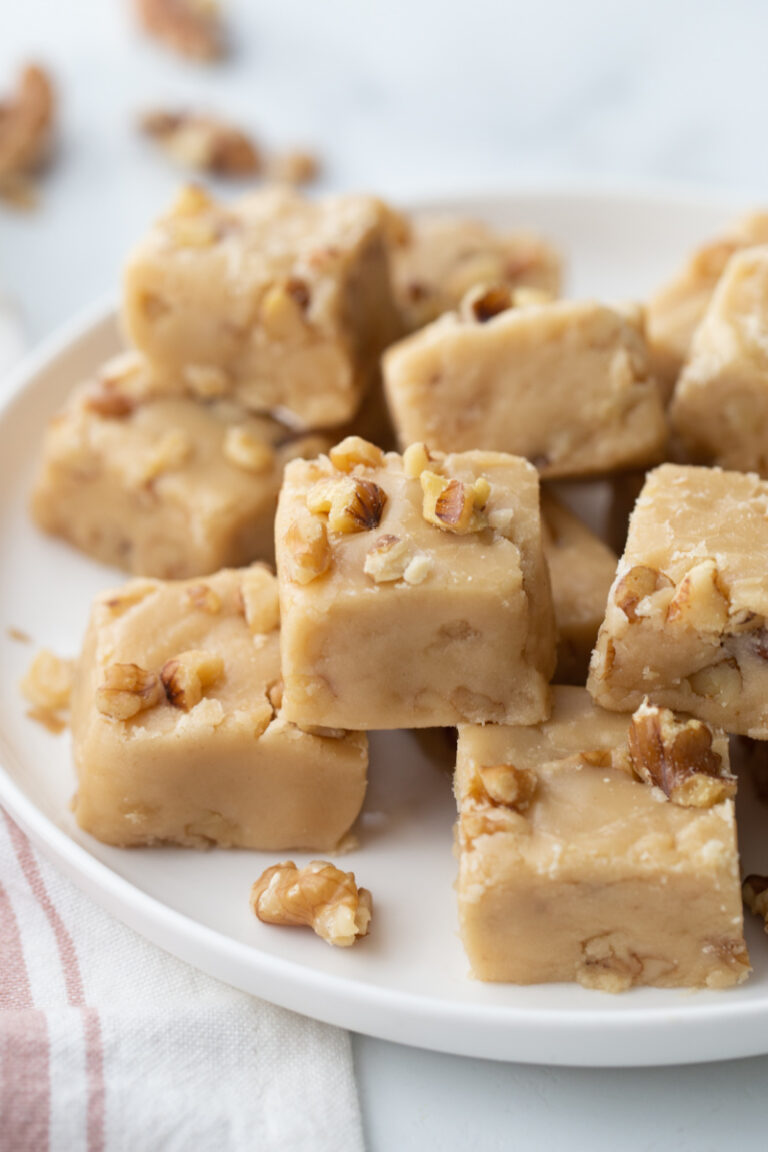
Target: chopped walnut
x,y
127,690
169,453
119,387
722,680
481,303
26,126
261,605
597,757
284,309
608,964
203,597
203,143
192,28
637,585
677,757
387,559
418,569
48,682
755,893
296,166
452,505
353,452
320,896
275,695
187,677
247,451
416,459
506,785
206,381
308,549
699,600
352,503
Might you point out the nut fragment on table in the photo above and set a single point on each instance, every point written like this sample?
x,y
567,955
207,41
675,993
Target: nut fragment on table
x,y
192,28
678,757
203,143
319,896
26,127
48,682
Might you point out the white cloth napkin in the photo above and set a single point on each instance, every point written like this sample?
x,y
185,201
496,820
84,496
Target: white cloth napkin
x,y
108,1044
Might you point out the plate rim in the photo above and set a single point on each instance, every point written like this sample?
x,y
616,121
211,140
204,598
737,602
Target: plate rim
x,y
500,1032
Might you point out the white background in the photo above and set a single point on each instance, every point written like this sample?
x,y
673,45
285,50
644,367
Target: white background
x,y
408,99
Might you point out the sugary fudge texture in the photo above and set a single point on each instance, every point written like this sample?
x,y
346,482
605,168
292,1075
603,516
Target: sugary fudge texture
x,y
284,302
581,569
444,256
686,617
177,730
719,411
575,865
413,590
160,485
676,310
565,384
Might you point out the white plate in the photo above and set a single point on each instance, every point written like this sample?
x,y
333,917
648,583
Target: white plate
x,y
408,981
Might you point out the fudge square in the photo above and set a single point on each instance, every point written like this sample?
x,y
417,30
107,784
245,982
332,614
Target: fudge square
x,y
685,622
599,848
162,485
177,729
719,412
442,257
413,589
581,569
674,312
565,384
284,302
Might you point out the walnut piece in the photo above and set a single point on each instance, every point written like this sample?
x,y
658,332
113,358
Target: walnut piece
x,y
506,785
484,301
722,680
186,677
48,682
677,756
452,505
203,597
192,28
203,143
699,601
352,503
387,559
26,127
308,548
416,459
283,310
353,452
246,451
127,690
755,893
296,166
206,382
261,605
320,896
637,585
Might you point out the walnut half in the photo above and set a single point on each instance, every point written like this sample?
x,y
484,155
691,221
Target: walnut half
x,y
677,756
320,896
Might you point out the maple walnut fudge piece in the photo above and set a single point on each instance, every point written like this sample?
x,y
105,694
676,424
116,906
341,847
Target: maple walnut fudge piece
x,y
686,617
286,302
177,729
565,384
674,313
444,256
166,486
719,412
581,570
413,589
599,848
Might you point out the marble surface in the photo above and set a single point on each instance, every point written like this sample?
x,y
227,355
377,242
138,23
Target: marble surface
x,y
423,98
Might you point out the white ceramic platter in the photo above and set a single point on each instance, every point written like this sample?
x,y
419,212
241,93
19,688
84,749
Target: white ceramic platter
x,y
408,981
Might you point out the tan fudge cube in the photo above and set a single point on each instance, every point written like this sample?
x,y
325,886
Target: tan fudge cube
x,y
160,485
571,868
565,384
676,310
719,411
685,622
581,570
207,757
391,621
286,302
444,256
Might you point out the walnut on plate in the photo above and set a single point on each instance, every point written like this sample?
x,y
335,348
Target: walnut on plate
x,y
320,896
203,142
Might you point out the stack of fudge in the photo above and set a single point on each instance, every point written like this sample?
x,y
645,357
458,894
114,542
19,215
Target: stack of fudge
x,y
280,349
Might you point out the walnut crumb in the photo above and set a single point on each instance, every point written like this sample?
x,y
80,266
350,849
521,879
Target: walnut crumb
x,y
319,896
352,503
677,757
637,585
481,303
187,677
126,690
504,785
416,459
191,28
261,605
307,549
203,143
